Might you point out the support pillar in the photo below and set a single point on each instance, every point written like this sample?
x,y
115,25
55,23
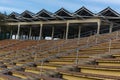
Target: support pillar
x,y
30,32
0,30
110,29
11,32
67,30
52,35
40,34
21,36
98,27
64,34
18,31
79,33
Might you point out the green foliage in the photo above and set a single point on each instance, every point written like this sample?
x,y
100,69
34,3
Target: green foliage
x,y
2,19
4,29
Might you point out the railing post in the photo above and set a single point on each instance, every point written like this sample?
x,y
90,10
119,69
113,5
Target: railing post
x,y
79,33
52,35
110,29
35,57
77,57
88,41
110,43
117,34
41,67
96,40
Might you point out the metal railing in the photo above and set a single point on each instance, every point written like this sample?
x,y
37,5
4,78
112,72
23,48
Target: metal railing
x,y
98,40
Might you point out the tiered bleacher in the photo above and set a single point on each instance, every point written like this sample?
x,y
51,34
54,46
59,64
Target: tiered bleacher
x,y
26,55
94,58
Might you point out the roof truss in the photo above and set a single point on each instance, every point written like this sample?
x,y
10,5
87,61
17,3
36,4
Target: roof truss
x,y
27,14
44,13
63,12
109,12
84,12
14,15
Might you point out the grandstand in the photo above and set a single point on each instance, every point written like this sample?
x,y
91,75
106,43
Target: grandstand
x,y
82,46
61,24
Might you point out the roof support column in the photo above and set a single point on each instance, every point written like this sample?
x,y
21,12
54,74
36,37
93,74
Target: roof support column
x,y
67,30
18,31
40,34
30,32
11,32
98,27
52,35
111,26
79,33
64,34
0,29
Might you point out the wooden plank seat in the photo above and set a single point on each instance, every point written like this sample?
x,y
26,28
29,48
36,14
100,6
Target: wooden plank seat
x,y
70,75
37,70
116,55
91,52
74,56
60,61
53,64
16,74
28,75
109,62
20,63
49,65
8,77
103,70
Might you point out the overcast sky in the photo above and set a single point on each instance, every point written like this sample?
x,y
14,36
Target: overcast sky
x,y
53,5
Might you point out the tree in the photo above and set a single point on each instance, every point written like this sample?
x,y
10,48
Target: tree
x,y
3,27
2,19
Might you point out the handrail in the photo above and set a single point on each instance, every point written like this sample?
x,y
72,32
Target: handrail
x,y
74,50
54,47
47,43
67,52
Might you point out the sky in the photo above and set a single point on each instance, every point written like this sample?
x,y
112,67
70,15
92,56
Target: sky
x,y
35,6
